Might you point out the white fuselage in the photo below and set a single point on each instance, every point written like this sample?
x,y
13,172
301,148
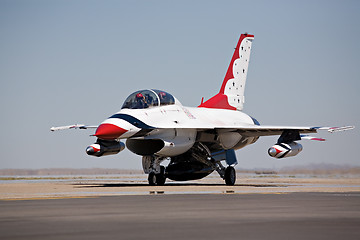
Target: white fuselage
x,y
179,127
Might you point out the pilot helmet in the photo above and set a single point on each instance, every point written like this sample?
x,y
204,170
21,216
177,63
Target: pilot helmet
x,y
139,95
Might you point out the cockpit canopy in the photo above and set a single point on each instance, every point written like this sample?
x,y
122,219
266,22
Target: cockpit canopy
x,y
148,98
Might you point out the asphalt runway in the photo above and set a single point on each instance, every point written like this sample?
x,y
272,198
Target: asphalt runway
x,y
194,216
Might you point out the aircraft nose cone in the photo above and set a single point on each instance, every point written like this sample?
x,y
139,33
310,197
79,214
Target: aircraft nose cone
x,y
107,131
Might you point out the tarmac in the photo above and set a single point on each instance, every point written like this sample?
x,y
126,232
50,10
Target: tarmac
x,y
185,216
256,208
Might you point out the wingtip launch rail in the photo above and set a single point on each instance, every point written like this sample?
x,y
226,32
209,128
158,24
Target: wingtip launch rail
x,y
74,126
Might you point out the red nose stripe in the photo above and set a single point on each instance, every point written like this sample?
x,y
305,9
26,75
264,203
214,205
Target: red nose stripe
x,y
108,131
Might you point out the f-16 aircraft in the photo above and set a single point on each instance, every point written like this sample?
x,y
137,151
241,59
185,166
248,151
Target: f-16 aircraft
x,y
196,140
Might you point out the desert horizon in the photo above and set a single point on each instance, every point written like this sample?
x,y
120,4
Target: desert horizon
x,y
312,169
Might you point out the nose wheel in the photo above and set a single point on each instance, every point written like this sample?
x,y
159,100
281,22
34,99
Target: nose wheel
x,y
157,179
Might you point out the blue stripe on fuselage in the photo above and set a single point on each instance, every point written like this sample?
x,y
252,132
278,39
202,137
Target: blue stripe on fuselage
x,y
132,120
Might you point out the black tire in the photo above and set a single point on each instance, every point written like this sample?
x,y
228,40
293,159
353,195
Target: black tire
x,y
160,179
162,170
152,179
230,176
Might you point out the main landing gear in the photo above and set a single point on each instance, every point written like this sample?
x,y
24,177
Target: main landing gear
x,y
228,173
230,176
151,166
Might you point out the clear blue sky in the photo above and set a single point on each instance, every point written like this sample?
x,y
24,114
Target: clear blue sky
x,y
65,62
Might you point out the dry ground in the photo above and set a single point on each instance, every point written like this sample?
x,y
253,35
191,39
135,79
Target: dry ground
x,y
69,187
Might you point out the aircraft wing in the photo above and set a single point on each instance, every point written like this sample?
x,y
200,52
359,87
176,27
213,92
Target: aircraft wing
x,y
263,130
243,129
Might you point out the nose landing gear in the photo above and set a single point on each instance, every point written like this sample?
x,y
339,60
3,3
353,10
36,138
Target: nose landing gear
x,y
157,179
151,165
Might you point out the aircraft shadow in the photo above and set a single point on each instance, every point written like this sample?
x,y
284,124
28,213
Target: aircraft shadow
x,y
119,185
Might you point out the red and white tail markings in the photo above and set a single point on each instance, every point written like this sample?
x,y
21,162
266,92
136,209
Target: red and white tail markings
x,y
231,95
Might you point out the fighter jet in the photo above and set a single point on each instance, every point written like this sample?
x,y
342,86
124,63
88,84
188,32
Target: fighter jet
x,y
196,141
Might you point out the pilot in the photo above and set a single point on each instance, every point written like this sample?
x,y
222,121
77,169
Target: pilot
x,y
162,97
140,101
165,98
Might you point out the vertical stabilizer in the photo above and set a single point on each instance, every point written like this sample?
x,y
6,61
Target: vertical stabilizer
x,y
231,95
